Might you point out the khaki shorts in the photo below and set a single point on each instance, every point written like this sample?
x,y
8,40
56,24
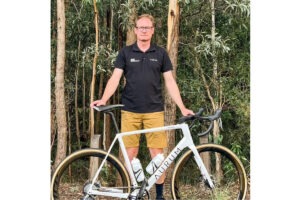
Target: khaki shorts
x,y
136,121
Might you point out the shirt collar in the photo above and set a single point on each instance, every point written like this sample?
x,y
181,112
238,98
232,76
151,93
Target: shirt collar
x,y
136,48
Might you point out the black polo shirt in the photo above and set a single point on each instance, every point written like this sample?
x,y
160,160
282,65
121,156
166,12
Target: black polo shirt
x,y
142,70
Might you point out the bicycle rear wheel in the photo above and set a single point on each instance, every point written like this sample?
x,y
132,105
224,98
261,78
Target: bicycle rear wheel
x,y
73,176
225,169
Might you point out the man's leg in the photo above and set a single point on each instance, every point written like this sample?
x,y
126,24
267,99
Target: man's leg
x,y
156,142
130,122
159,185
153,153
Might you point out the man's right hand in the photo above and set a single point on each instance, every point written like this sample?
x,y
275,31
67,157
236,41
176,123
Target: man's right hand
x,y
98,103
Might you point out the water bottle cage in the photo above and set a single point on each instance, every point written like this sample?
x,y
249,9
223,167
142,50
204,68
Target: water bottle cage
x,y
154,167
155,163
137,173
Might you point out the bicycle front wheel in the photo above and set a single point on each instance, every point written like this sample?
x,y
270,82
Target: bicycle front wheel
x,y
74,175
224,167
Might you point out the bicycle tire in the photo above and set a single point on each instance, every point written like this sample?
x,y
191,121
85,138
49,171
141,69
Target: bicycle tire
x,y
72,174
187,182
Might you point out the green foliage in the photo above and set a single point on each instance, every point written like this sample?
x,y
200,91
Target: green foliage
x,y
205,47
217,140
233,57
238,6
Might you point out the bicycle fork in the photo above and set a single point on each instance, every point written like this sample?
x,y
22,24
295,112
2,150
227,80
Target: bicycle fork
x,y
202,168
197,157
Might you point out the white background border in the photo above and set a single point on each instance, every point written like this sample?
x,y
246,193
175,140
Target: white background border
x,y
25,99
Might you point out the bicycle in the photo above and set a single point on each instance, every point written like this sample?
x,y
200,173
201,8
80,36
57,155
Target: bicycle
x,y
191,179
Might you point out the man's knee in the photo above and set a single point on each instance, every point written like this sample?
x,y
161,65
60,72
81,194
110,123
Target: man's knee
x,y
132,152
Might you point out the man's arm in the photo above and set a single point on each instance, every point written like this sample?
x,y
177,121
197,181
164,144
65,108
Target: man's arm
x,y
110,88
173,90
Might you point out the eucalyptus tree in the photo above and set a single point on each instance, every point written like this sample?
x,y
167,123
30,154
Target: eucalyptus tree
x,y
92,86
130,36
59,85
172,49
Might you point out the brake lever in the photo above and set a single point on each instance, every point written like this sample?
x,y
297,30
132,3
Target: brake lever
x,y
191,117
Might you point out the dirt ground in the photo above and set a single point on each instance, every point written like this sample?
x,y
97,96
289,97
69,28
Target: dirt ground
x,y
167,193
77,192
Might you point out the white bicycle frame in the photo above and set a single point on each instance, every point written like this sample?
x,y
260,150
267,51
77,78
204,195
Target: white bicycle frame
x,y
186,141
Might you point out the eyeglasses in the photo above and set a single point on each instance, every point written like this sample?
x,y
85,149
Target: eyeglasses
x,y
144,28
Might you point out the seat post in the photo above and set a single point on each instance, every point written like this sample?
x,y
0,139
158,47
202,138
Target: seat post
x,y
114,120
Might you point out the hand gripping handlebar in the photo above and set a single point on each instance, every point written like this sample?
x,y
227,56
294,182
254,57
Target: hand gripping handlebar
x,y
198,116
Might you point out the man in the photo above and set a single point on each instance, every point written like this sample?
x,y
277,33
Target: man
x,y
142,64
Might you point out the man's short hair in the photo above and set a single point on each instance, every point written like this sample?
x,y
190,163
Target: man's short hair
x,y
146,16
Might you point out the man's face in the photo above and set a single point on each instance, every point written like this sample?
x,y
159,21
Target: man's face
x,y
144,29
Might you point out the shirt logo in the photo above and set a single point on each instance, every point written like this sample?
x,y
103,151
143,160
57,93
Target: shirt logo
x,y
134,60
153,59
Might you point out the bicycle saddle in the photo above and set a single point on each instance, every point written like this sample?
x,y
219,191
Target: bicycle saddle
x,y
107,108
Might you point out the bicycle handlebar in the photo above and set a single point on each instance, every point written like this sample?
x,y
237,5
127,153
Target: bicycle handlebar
x,y
198,116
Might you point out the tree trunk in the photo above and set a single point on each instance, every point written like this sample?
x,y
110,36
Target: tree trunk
x,y
53,38
53,124
120,36
98,114
100,88
172,49
213,39
204,139
106,131
92,87
84,130
76,99
69,130
59,86
130,36
111,25
94,161
107,118
216,105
